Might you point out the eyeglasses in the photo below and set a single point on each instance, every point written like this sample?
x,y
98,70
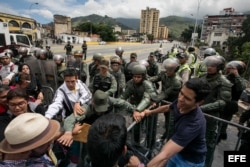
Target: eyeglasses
x,y
3,97
19,104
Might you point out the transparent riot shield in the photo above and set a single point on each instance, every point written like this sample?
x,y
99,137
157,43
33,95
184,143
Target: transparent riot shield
x,y
50,71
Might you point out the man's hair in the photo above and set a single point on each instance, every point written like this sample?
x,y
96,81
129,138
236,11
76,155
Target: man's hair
x,y
17,92
4,88
200,87
70,72
106,140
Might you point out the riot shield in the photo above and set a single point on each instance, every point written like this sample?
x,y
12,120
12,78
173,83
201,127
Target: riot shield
x,y
50,71
36,68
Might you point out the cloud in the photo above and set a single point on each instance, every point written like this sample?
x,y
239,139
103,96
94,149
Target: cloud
x,y
120,8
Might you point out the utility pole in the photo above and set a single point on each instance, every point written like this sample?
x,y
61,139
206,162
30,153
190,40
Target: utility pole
x,y
194,34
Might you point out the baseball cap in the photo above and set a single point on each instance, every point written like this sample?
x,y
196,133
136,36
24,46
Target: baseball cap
x,y
100,100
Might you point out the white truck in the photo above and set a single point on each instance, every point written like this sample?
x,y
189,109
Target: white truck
x,y
6,38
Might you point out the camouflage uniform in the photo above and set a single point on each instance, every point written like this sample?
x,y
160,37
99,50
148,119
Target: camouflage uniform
x,y
214,103
100,100
140,96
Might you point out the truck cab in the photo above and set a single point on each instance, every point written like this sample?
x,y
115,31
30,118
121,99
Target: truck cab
x,y
6,38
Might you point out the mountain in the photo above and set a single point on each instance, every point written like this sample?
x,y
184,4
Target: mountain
x,y
97,19
175,24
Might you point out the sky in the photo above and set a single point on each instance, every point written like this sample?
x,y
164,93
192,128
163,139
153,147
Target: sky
x,y
43,10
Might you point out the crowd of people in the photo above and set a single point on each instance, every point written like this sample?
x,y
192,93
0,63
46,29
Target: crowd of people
x,y
85,125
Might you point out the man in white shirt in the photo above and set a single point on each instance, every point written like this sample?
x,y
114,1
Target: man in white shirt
x,y
69,96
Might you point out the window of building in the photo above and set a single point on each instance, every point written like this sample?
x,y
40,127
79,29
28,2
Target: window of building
x,y
217,34
13,23
26,25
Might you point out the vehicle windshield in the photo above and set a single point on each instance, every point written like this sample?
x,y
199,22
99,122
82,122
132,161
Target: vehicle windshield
x,y
22,39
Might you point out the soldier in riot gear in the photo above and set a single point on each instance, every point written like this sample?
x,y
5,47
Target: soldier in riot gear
x,y
61,67
171,86
201,69
152,68
139,92
93,67
104,80
49,53
79,65
42,54
115,62
234,70
192,58
216,101
23,52
184,71
68,47
119,52
128,69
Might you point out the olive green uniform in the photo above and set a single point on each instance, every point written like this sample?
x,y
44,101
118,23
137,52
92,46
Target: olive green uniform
x,y
106,83
140,96
171,86
213,104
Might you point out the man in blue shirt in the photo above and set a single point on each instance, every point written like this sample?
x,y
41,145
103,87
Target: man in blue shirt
x,y
187,144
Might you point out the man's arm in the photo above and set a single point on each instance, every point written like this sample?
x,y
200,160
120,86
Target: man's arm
x,y
86,95
56,105
169,149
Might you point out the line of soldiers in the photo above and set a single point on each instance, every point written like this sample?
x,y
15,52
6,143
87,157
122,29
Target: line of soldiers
x,y
136,82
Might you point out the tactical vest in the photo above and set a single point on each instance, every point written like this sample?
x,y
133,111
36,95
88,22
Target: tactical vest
x,y
138,91
102,83
151,69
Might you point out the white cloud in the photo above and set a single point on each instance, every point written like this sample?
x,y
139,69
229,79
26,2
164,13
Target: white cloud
x,y
123,8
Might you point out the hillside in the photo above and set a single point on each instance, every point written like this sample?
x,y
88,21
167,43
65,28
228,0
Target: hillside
x,y
97,19
175,24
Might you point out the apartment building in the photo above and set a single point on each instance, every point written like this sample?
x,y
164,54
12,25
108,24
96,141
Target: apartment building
x,y
217,28
149,22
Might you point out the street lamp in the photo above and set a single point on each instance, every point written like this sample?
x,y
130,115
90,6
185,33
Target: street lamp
x,y
36,3
194,35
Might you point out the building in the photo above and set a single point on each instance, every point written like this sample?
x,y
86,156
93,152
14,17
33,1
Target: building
x,y
163,32
149,22
217,28
19,24
62,25
117,29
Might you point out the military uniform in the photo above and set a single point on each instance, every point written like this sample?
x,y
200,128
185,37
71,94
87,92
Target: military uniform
x,y
102,104
213,105
105,83
121,83
140,95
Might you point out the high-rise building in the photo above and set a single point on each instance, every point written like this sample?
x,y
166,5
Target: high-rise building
x,y
217,28
149,22
163,32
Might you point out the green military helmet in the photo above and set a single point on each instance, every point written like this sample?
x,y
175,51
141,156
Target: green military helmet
x,y
115,59
130,66
23,50
217,61
170,64
240,65
209,52
58,57
139,69
97,56
78,53
119,51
